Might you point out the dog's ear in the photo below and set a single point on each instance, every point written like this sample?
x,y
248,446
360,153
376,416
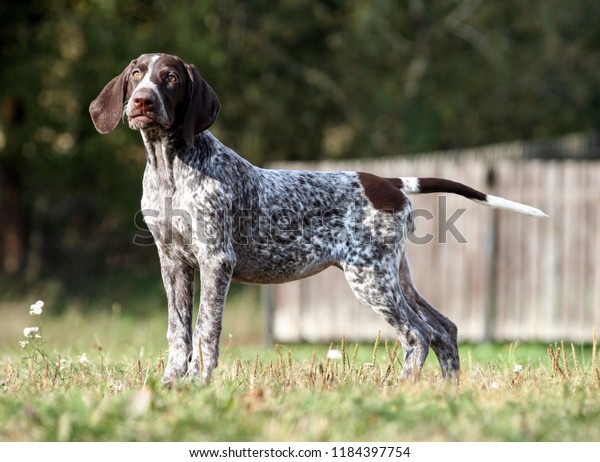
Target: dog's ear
x,y
203,106
107,109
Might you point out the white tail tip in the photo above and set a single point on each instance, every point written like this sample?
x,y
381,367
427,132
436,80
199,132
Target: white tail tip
x,y
501,203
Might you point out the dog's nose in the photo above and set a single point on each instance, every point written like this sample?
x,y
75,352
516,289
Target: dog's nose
x,y
143,100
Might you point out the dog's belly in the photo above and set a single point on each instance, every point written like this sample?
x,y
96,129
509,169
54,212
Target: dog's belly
x,y
271,265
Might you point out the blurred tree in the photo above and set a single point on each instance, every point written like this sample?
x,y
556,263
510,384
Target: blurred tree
x,y
15,115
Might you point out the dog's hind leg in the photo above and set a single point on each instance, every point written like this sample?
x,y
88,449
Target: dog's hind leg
x,y
444,340
378,286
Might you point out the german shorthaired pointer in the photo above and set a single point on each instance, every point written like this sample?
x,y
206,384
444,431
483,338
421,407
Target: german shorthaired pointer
x,y
209,209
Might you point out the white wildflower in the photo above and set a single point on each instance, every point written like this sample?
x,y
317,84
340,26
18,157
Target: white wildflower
x,y
32,332
334,354
24,343
495,385
518,368
63,364
83,359
36,308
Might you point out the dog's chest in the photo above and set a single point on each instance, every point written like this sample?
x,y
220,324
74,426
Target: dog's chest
x,y
181,219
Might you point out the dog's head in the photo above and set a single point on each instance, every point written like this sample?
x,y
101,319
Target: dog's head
x,y
157,92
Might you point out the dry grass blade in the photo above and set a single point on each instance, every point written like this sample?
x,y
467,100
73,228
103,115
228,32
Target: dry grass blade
x,y
279,355
272,374
396,346
391,354
554,360
238,368
160,364
325,377
140,373
254,372
575,362
388,371
563,352
56,370
376,347
312,376
354,356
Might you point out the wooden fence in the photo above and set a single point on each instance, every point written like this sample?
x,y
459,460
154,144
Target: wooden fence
x,y
515,278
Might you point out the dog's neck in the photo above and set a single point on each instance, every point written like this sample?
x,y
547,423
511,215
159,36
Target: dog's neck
x,y
160,144
161,150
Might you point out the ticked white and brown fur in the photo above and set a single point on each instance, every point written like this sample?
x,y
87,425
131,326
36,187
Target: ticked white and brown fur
x,y
211,210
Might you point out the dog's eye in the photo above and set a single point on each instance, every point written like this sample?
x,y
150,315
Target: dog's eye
x,y
171,78
136,74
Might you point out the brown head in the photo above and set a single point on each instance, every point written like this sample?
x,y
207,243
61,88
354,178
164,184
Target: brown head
x,y
157,92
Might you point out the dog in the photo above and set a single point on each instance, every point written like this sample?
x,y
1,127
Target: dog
x,y
211,210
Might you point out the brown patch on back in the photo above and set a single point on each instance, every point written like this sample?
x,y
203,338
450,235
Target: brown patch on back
x,y
383,193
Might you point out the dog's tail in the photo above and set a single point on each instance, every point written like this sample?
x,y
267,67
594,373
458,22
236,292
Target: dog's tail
x,y
414,185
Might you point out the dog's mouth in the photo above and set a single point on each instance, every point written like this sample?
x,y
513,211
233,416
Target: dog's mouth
x,y
146,119
140,118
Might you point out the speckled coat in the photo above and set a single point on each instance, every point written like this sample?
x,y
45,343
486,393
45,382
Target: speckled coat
x,y
211,210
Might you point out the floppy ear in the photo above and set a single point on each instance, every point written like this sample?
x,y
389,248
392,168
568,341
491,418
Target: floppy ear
x,y
106,110
203,106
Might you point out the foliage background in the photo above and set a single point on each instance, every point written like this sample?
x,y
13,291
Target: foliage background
x,y
298,80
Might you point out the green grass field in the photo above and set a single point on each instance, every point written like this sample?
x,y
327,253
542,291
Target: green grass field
x,y
285,393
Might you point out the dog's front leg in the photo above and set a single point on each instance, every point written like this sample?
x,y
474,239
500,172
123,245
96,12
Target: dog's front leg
x,y
216,270
178,279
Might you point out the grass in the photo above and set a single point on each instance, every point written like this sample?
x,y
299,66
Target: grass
x,y
510,392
